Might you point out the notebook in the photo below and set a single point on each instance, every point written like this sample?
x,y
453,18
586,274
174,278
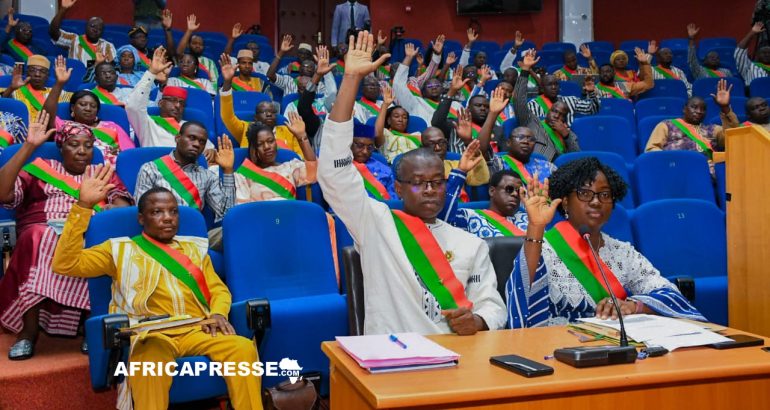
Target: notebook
x,y
379,353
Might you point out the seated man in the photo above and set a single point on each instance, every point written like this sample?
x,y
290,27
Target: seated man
x,y
401,294
107,85
20,47
550,87
304,53
507,113
418,95
757,109
306,68
378,178
520,144
32,91
748,69
81,47
608,87
571,67
191,184
507,65
689,132
258,66
205,64
369,104
665,69
433,138
245,81
480,59
144,259
323,102
552,135
711,65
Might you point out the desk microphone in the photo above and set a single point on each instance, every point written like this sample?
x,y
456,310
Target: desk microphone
x,y
599,355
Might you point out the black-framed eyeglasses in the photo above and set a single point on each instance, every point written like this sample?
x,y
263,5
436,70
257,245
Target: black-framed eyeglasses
x,y
587,195
442,143
510,190
361,145
423,185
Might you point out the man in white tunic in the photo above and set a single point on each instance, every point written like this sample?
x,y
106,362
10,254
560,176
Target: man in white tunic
x,y
401,294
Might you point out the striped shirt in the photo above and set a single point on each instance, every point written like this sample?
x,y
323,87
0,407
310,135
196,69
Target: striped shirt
x,y
747,68
220,195
699,71
76,50
656,75
585,106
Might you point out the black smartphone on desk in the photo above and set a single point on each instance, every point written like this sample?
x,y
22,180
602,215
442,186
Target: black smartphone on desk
x,y
738,341
521,365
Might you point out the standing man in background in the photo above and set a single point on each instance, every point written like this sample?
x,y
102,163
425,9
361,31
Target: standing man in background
x,y
348,15
148,13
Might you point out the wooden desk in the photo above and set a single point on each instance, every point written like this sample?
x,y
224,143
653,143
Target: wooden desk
x,y
695,378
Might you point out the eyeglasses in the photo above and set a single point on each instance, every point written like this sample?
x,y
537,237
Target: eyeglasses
x,y
587,195
433,86
34,69
510,190
360,145
522,138
423,185
430,144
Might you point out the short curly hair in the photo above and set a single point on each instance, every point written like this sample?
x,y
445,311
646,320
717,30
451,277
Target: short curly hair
x,y
575,174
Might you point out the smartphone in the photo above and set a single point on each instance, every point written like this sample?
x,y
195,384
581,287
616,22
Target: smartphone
x,y
767,349
739,341
521,365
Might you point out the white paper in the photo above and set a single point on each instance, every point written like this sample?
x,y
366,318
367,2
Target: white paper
x,y
654,330
379,350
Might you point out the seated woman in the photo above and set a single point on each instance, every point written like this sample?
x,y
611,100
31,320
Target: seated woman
x,y
188,76
31,295
390,128
619,62
554,278
110,138
261,178
127,60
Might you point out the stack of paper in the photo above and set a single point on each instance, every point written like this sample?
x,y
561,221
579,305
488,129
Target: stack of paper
x,y
670,333
379,353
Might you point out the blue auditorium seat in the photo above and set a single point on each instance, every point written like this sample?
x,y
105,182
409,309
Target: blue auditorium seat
x,y
78,71
15,107
48,150
474,205
489,47
631,44
645,127
611,159
107,112
618,107
675,43
687,237
666,88
299,281
704,87
559,46
509,125
672,175
760,87
707,44
669,106
618,225
570,88
721,184
550,57
600,46
606,133
738,104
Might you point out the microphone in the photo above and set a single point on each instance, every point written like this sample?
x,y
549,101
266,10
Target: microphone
x,y
599,355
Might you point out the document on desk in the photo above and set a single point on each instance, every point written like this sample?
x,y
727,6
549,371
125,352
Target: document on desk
x,y
670,333
409,351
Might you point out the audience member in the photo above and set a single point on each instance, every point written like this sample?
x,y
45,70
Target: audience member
x,y
521,144
433,138
711,64
188,76
689,132
418,95
665,69
550,87
609,87
197,45
378,177
479,59
748,69
32,91
507,65
619,62
20,47
259,67
323,101
369,104
757,109
107,84
126,63
85,46
306,69
390,129
571,66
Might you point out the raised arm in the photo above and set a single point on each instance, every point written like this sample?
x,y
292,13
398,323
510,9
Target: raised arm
x,y
168,19
51,104
17,81
456,181
520,90
510,57
54,29
379,124
435,60
722,98
192,25
540,211
742,61
226,109
36,136
450,59
286,46
137,101
441,115
221,195
236,32
692,57
645,74
466,55
497,104
297,128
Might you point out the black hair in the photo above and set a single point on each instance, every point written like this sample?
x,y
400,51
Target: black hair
x,y
694,98
422,153
191,123
606,65
575,174
390,111
104,63
568,53
498,176
253,131
142,203
82,94
476,96
753,99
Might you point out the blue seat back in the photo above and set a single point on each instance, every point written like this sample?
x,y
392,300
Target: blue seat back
x,y
618,225
48,150
130,161
15,107
721,184
669,106
675,43
618,107
704,87
559,46
605,46
606,133
672,175
631,44
570,88
107,112
666,88
416,124
78,71
645,127
550,57
611,159
707,44
760,87
509,125
738,104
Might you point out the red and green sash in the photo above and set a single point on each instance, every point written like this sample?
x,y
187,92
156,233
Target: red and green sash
x,y
429,261
414,90
179,181
714,73
123,81
502,118
666,72
273,181
475,130
762,66
341,66
544,102
293,67
576,255
106,96
431,103
466,92
316,111
518,167
87,46
178,264
143,59
501,223
370,106
613,91
415,139
192,83
372,185
557,139
107,136
240,85
693,134
205,69
170,124
23,51
33,96
567,72
384,71
453,113
747,124
6,138
43,171
623,76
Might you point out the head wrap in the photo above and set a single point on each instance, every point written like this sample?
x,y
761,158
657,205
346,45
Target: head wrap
x,y
137,29
70,129
245,53
132,50
178,92
38,60
617,53
363,131
305,46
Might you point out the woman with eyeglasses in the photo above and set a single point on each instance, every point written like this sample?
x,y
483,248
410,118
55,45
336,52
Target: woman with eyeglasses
x,y
391,136
555,279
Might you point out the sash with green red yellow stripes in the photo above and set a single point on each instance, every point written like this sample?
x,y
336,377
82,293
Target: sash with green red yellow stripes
x,y
544,102
20,49
205,69
414,90
369,105
240,85
762,66
518,167
293,67
179,181
623,76
35,98
557,139
666,73
178,264
192,82
429,261
170,124
43,171
107,136
503,117
500,223
475,130
106,97
567,72
415,139
714,73
341,66
271,180
576,255
143,59
384,71
613,91
466,92
372,185
6,138
694,135
87,46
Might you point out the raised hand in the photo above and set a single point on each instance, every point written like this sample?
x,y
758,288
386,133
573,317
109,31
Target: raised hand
x,y
589,85
420,59
162,76
451,58
100,57
159,63
484,74
286,45
36,133
757,28
463,128
96,186
498,102
472,35
534,196
518,41
168,18
228,70
12,22
381,40
652,47
322,61
296,125
65,4
236,31
529,59
692,30
471,157
641,56
722,97
17,81
457,80
410,50
387,95
585,51
438,45
62,72
225,155
192,23
358,60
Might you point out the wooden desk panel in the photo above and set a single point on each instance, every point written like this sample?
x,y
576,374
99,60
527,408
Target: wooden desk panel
x,y
700,377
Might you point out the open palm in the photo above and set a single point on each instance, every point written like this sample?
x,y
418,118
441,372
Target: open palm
x,y
358,60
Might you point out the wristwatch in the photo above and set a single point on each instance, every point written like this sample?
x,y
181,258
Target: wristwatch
x,y
639,304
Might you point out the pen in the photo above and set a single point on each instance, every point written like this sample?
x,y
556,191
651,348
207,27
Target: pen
x,y
395,340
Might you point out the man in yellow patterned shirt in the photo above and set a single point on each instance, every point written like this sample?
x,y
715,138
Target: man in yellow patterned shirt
x,y
143,287
32,91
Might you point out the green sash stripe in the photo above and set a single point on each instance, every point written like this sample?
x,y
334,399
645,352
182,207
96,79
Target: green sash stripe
x,y
370,106
106,137
518,168
417,141
23,51
566,72
44,172
85,45
575,265
556,139
544,105
182,188
372,185
505,230
264,178
611,91
665,73
166,124
32,97
191,83
704,145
